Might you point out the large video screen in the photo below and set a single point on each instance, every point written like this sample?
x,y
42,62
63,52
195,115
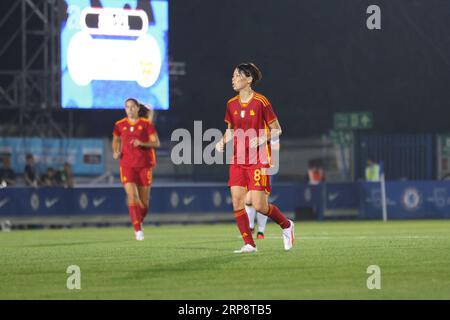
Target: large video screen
x,y
112,50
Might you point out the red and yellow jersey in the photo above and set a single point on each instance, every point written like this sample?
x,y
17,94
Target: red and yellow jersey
x,y
141,129
253,118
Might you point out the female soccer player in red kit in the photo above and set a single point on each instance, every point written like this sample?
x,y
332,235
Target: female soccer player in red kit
x,y
250,111
133,141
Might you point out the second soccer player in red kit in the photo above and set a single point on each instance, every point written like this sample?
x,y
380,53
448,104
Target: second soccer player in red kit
x,y
247,112
133,141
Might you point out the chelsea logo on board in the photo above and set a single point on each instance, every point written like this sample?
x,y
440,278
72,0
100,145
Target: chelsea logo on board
x,y
411,199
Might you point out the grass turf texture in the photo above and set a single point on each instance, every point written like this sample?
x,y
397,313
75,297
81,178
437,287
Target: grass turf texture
x,y
197,262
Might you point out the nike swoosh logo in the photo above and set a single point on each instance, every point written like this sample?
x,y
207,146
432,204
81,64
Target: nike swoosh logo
x,y
188,200
273,199
3,202
51,203
98,201
333,196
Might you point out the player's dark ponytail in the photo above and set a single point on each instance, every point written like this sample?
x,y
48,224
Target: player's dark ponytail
x,y
250,70
143,111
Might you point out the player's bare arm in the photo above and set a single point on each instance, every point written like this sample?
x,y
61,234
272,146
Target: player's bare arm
x,y
225,139
116,147
152,143
275,132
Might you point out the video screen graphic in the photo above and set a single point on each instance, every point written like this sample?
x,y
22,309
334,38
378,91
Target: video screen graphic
x,y
112,50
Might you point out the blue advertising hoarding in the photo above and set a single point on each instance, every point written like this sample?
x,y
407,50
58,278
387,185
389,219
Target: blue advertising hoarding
x,y
85,155
406,200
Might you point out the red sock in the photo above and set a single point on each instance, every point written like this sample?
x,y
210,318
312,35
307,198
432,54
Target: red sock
x,y
144,211
135,216
276,215
244,226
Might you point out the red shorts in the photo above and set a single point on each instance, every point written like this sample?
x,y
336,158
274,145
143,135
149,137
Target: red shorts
x,y
252,179
139,176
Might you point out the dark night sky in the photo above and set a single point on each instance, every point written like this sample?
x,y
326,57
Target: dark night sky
x,y
317,58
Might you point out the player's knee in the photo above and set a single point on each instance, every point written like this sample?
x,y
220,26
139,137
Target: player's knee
x,y
238,203
132,198
261,207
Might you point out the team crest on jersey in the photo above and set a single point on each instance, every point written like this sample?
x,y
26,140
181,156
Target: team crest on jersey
x,y
242,113
125,128
252,113
140,128
235,112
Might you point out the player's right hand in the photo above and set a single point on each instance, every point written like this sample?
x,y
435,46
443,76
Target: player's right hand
x,y
116,155
220,146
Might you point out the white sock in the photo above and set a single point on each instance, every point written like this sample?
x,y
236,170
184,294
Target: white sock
x,y
251,212
262,220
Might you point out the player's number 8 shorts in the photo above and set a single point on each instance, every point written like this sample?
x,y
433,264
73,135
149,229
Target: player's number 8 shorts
x,y
252,179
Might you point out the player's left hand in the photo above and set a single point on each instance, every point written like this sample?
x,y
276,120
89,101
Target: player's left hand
x,y
136,143
256,141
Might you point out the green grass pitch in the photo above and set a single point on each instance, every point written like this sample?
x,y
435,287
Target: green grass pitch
x,y
329,261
